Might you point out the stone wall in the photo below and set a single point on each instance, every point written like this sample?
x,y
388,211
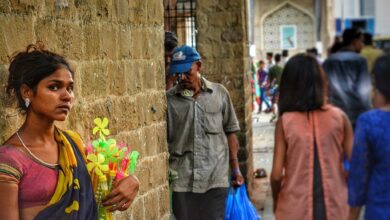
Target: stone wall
x,y
223,44
116,49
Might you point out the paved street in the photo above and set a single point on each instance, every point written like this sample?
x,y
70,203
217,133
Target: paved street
x,y
263,142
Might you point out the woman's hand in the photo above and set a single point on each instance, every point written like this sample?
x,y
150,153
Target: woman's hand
x,y
122,195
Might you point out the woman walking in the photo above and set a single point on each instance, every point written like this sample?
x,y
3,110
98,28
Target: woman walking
x,y
307,179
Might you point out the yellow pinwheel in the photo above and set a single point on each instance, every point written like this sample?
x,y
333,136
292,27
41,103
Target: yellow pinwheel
x,y
96,164
101,127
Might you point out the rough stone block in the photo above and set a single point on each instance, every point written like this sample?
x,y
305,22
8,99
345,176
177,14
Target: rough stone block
x,y
69,39
161,136
125,46
133,77
138,43
160,174
164,201
3,50
150,141
45,31
151,200
5,6
122,12
138,11
91,38
137,210
149,74
24,6
143,116
109,45
106,10
17,32
117,82
155,13
144,168
94,77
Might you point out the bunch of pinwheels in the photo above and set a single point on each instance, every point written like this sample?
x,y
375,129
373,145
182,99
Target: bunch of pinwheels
x,y
108,161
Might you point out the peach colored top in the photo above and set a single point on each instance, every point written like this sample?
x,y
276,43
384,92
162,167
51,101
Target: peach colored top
x,y
326,127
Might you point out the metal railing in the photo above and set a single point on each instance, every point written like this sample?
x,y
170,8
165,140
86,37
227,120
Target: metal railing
x,y
180,18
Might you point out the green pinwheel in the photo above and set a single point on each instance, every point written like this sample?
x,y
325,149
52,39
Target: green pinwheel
x,y
101,127
96,164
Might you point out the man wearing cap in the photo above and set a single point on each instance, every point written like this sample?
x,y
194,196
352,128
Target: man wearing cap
x,y
201,140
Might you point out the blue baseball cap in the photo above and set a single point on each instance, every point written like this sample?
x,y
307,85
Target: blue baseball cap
x,y
182,59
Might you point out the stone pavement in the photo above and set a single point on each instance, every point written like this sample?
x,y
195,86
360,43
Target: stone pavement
x,y
263,144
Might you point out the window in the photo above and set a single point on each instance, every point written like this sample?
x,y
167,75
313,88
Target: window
x,y
180,18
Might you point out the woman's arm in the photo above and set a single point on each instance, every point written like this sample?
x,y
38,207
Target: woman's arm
x,y
278,161
123,194
348,137
360,168
9,208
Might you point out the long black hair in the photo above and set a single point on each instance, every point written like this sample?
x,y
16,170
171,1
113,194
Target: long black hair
x,y
382,75
29,67
302,86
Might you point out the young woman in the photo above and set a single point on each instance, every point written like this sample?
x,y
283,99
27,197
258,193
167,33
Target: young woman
x,y
369,178
42,168
307,179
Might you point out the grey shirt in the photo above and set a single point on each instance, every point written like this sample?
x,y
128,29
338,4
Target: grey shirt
x,y
197,141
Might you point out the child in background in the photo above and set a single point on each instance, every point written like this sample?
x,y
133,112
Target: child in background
x,y
369,177
311,136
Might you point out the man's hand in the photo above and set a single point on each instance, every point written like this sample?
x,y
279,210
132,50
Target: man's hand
x,y
237,179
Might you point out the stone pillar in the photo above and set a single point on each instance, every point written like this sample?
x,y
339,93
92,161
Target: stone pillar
x,y
223,44
116,49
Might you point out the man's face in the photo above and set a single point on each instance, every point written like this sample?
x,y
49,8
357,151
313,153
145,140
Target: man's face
x,y
190,79
358,44
261,65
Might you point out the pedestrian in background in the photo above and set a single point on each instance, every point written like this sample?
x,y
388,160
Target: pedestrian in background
x,y
263,84
349,81
307,179
369,177
370,52
202,140
42,168
274,75
284,57
270,60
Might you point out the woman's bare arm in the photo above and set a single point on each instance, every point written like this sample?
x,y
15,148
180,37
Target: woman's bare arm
x,y
278,161
9,208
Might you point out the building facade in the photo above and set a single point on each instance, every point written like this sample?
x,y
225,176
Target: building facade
x,y
293,25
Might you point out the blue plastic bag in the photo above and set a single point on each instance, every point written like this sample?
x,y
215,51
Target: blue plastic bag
x,y
238,205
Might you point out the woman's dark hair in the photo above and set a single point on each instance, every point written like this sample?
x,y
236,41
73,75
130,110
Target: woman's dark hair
x,y
29,67
302,86
381,72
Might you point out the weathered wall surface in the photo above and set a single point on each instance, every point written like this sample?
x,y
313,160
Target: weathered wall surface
x,y
116,49
222,42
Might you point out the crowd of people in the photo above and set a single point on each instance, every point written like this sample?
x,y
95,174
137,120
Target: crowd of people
x,y
326,122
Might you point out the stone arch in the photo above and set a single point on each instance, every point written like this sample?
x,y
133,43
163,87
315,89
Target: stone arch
x,y
287,13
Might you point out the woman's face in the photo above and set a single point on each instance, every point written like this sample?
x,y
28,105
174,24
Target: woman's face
x,y
54,96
